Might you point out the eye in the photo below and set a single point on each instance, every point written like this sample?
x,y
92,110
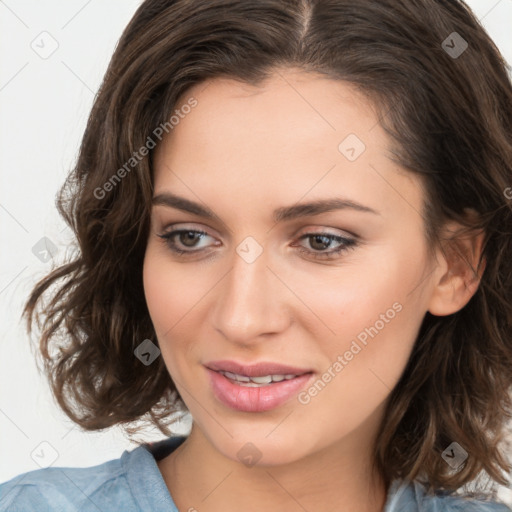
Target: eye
x,y
186,238
183,242
321,241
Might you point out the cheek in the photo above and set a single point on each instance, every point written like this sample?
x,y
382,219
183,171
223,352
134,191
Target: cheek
x,y
353,297
166,297
171,293
370,315
376,324
175,299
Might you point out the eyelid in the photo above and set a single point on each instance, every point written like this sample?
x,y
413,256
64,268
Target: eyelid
x,y
347,243
311,229
179,226
322,230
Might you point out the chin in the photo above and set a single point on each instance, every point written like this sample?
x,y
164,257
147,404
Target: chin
x,y
261,451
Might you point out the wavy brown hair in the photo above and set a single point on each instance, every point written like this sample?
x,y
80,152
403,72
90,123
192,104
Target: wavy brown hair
x,y
450,121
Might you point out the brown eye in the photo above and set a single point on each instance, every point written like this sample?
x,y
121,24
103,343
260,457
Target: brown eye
x,y
180,240
319,242
188,238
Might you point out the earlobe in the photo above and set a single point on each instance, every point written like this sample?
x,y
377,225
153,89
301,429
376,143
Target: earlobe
x,y
461,272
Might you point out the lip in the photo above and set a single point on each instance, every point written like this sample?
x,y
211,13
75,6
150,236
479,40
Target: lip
x,y
256,399
256,370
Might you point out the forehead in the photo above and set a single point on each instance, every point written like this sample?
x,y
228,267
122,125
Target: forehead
x,y
292,103
293,135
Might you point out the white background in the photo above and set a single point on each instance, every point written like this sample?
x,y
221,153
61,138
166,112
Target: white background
x,y
44,104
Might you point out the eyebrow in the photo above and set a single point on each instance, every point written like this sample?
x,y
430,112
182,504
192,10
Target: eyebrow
x,y
284,213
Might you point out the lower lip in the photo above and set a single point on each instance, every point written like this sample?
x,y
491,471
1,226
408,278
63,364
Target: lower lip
x,y
251,399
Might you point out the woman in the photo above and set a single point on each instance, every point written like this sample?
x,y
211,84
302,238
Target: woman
x,y
294,223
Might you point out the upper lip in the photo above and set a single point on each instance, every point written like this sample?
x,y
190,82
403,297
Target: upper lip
x,y
256,370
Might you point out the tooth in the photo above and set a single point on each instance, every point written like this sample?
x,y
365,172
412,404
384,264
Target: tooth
x,y
266,379
235,376
243,380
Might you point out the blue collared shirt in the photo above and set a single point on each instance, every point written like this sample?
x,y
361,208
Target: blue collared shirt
x,y
133,483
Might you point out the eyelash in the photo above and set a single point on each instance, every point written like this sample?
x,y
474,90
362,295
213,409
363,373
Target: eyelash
x,y
346,244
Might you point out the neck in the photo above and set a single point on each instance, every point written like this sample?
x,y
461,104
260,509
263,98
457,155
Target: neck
x,y
339,477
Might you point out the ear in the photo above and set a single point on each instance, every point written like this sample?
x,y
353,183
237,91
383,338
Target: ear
x,y
459,271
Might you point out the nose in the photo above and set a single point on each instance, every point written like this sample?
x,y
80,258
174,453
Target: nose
x,y
251,301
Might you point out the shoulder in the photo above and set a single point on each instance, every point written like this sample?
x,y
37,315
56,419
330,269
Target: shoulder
x,y
412,497
101,487
131,483
460,504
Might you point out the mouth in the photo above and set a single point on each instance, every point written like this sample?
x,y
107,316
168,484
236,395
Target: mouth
x,y
255,388
256,382
262,369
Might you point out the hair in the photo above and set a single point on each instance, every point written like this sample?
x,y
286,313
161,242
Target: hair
x,y
450,121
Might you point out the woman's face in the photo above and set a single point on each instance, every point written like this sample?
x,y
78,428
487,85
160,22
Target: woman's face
x,y
269,281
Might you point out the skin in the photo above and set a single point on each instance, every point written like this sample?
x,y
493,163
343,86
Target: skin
x,y
244,151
